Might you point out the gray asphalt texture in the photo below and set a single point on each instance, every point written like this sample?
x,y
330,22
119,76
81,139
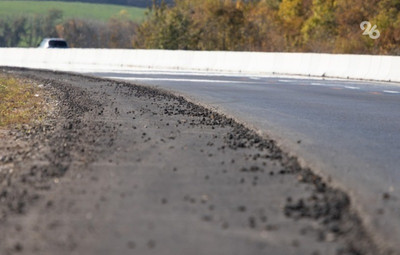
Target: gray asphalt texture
x,y
346,131
125,169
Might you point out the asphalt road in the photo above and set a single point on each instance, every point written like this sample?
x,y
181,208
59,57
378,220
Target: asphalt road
x,y
117,168
346,131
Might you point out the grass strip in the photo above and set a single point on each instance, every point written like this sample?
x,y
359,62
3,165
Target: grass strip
x,y
21,101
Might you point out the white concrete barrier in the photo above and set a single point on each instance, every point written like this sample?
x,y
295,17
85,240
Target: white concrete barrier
x,y
381,68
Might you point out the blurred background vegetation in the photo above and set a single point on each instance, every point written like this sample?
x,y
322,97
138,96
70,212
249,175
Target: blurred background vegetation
x,y
331,26
26,23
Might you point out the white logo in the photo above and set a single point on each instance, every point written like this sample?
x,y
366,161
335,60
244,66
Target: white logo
x,y
370,30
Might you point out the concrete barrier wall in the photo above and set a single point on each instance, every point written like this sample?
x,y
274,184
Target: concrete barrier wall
x,y
382,68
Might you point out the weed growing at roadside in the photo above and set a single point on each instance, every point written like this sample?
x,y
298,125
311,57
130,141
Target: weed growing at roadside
x,y
20,101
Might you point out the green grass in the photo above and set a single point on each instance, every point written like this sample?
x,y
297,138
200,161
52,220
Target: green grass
x,y
100,12
21,102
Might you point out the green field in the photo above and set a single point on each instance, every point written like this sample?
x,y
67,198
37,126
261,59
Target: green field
x,y
101,12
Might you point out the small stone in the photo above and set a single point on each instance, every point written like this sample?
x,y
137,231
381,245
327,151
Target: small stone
x,y
151,244
131,245
252,222
18,247
385,196
242,208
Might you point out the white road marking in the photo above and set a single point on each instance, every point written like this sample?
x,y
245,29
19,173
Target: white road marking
x,y
323,84
176,79
257,80
332,85
391,91
351,87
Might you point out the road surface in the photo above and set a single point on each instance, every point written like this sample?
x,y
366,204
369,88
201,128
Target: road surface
x,y
347,131
116,168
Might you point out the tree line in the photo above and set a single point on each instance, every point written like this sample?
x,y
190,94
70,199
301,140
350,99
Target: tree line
x,y
331,26
273,25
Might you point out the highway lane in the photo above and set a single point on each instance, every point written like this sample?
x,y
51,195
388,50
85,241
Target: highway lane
x,y
347,131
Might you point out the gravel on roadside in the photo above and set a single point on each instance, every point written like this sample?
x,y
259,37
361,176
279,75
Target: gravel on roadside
x,y
121,169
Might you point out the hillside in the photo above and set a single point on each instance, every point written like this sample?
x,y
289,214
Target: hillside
x,y
100,12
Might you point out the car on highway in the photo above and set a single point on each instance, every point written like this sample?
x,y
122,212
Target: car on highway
x,y
53,43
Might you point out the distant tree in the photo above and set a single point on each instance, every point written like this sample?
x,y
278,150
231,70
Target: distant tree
x,y
292,14
122,31
39,27
18,30
348,17
151,31
263,28
226,26
319,30
78,33
193,24
12,31
5,32
388,22
118,32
